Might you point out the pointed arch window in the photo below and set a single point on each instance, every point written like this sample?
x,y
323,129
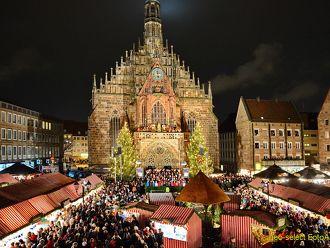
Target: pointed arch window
x,y
158,114
191,123
114,130
144,114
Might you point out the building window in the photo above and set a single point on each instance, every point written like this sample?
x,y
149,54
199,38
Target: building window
x,y
3,133
281,145
256,145
314,144
14,152
297,145
24,135
326,122
14,118
14,134
19,119
272,132
19,152
289,132
114,130
3,116
289,145
296,133
256,132
328,148
191,124
265,145
9,120
24,121
281,132
297,156
24,151
9,134
328,161
9,152
273,144
3,152
266,156
326,134
19,136
158,114
144,114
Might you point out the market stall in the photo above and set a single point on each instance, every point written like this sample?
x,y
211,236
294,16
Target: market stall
x,y
181,226
251,228
141,210
161,198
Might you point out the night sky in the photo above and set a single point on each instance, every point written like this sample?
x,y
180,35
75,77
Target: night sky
x,y
49,50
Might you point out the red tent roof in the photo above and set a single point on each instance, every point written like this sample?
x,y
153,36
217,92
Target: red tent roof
x,y
7,178
28,189
173,214
308,200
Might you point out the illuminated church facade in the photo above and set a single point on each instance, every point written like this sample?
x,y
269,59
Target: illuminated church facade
x,y
158,96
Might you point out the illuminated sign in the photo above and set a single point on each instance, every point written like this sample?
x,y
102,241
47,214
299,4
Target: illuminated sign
x,y
172,232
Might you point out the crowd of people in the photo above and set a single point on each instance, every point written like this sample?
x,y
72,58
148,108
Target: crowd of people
x,y
98,223
300,223
230,182
164,177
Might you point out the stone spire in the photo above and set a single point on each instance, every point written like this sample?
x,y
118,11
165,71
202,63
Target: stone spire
x,y
153,35
209,92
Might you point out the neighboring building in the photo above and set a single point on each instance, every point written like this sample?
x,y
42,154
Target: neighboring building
x,y
324,131
75,142
157,95
228,151
29,137
268,131
311,139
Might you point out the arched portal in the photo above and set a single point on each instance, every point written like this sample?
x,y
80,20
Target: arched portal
x,y
159,155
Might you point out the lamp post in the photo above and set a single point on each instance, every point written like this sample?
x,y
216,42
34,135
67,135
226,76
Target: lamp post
x,y
269,190
85,185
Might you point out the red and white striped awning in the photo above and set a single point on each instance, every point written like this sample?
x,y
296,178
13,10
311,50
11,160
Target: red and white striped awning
x,y
59,196
173,214
43,204
26,209
161,198
12,219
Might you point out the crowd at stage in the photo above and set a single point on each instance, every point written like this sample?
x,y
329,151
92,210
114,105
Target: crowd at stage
x,y
301,223
231,181
97,223
164,177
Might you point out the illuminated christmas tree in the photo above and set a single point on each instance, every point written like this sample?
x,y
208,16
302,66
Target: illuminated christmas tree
x,y
129,155
197,153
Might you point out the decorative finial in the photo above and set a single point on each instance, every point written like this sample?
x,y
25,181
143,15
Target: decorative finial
x,y
126,53
209,92
94,80
106,77
198,83
111,72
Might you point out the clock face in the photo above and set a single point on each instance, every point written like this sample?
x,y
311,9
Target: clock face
x,y
157,74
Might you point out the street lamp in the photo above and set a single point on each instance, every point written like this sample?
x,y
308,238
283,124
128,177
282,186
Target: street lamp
x,y
270,188
85,185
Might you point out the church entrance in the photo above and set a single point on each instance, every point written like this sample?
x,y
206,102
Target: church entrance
x,y
160,155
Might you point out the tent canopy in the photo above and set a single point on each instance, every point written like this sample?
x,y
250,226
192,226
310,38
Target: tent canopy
x,y
274,172
311,173
19,169
202,189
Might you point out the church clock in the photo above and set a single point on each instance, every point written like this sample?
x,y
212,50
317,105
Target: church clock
x,y
157,74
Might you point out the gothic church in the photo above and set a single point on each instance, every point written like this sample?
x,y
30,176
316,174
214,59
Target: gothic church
x,y
156,94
